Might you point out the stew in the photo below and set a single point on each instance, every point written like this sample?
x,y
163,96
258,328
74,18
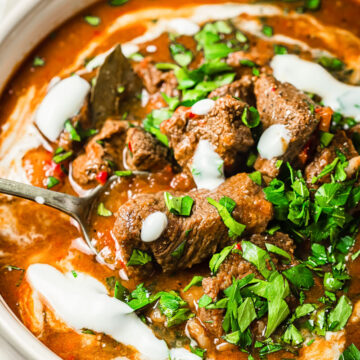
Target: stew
x,y
230,230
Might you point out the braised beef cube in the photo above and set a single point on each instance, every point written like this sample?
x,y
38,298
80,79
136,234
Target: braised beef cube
x,y
340,143
242,89
155,80
282,103
145,152
222,127
187,241
101,152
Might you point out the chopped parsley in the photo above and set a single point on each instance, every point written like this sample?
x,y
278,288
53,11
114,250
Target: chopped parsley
x,y
52,181
38,61
250,117
122,173
178,205
179,251
235,228
280,49
195,281
92,20
267,30
103,211
350,353
58,158
153,121
117,2
72,131
139,257
181,55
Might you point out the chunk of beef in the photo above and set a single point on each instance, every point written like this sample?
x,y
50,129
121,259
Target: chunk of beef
x,y
234,266
222,127
116,85
242,89
146,153
282,103
155,80
103,149
200,234
327,155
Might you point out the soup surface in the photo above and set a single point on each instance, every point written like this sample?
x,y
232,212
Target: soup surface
x,y
227,136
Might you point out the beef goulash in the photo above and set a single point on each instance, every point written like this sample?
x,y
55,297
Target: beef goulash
x,y
227,138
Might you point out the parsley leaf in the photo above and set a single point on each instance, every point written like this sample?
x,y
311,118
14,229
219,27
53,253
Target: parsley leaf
x,y
276,250
204,301
92,20
292,336
103,211
351,353
218,258
258,257
300,276
195,281
235,228
339,316
178,205
246,314
139,257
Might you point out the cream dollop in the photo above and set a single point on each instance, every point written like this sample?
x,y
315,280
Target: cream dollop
x,y
207,166
182,26
63,101
82,302
153,226
202,107
274,141
311,77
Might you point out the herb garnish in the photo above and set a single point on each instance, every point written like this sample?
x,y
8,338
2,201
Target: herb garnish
x,y
103,211
235,228
51,182
92,20
178,205
139,257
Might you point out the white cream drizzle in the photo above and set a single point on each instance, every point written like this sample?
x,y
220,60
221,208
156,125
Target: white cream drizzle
x,y
63,101
311,77
82,302
153,226
273,141
207,166
202,107
182,354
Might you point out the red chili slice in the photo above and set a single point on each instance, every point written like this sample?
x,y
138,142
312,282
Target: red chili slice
x,y
101,177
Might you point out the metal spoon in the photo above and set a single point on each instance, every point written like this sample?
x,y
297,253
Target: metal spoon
x,y
79,208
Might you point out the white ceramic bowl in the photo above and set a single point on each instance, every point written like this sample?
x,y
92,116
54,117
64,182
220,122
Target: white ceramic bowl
x,y
27,24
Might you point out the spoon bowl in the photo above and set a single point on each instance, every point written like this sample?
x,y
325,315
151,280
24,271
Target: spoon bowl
x,y
79,208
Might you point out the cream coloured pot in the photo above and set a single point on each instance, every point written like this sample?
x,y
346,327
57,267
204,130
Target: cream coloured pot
x,y
20,31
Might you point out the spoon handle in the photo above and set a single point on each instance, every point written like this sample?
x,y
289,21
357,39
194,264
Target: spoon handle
x,y
68,204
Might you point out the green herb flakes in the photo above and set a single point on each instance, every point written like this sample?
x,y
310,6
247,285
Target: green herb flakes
x,y
178,205
250,117
139,257
117,2
235,228
267,30
38,61
92,20
195,281
103,211
51,182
